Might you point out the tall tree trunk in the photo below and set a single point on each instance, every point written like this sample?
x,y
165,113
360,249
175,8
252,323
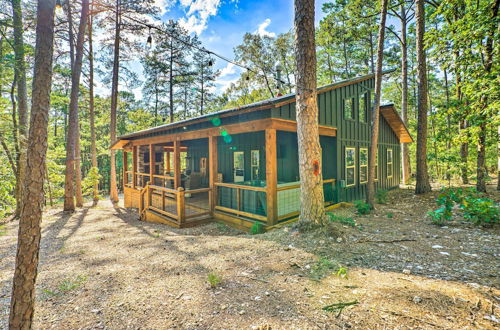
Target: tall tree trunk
x,y
311,178
93,148
23,291
72,145
372,155
448,124
22,98
422,185
78,170
481,158
171,81
114,102
405,152
464,146
498,159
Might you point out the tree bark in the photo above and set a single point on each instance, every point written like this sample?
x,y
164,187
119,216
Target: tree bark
x,y
422,185
23,291
22,98
405,152
114,102
372,154
481,159
498,159
72,145
311,179
93,148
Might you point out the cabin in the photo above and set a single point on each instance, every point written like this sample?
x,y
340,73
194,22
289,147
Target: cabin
x,y
240,165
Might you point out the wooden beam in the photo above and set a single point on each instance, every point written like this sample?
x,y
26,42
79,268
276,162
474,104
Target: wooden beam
x,y
151,163
181,209
168,162
213,169
134,166
177,164
125,169
271,177
291,126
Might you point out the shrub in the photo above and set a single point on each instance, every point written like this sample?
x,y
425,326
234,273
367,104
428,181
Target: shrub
x,y
362,207
390,215
214,279
440,216
342,220
257,228
381,196
481,211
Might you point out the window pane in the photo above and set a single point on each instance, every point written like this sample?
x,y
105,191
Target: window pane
x,y
350,176
363,174
362,107
348,108
389,155
363,157
349,157
389,170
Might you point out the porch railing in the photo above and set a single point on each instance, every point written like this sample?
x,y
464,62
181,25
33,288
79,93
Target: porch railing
x,y
241,200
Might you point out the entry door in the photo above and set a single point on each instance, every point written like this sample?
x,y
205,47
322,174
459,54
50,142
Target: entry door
x,y
239,166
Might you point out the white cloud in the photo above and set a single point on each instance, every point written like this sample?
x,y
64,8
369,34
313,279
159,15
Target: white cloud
x,y
262,29
228,70
198,13
162,5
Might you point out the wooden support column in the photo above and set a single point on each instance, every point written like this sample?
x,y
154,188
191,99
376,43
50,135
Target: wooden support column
x,y
151,164
212,171
271,177
168,163
134,167
177,164
125,169
181,209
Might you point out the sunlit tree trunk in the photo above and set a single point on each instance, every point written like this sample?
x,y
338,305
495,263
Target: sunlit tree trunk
x,y
372,155
311,192
114,102
422,185
405,152
22,98
73,135
23,291
93,148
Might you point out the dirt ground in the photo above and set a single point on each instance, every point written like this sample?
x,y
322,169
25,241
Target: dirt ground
x,y
101,268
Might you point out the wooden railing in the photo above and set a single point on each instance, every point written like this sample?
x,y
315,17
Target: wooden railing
x,y
236,205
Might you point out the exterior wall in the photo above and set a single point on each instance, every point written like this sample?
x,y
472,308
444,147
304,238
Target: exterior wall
x,y
131,197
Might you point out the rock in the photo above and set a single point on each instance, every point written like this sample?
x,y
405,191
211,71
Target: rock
x,y
242,312
491,318
223,307
258,298
444,253
339,239
187,298
437,247
417,300
406,271
267,293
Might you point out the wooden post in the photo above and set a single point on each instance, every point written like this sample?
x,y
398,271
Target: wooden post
x,y
125,169
151,164
181,211
168,162
177,164
271,177
212,171
134,167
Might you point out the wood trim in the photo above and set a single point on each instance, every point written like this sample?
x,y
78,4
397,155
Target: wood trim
x,y
396,123
168,190
125,166
152,163
291,126
213,169
196,191
289,215
241,213
197,215
181,207
239,186
168,214
271,176
134,166
177,164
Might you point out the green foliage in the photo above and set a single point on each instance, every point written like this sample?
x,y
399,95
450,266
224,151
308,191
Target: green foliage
x,y
381,196
362,207
3,231
321,268
7,188
481,211
257,228
93,177
214,279
342,272
440,216
390,215
66,286
339,307
348,221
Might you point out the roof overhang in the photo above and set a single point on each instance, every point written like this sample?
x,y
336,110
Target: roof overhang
x,y
119,144
396,123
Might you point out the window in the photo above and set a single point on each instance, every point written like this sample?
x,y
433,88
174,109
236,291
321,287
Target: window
x,y
363,107
255,163
350,166
389,163
348,108
363,165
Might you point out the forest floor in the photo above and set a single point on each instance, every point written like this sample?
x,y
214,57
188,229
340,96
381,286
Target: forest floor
x,y
101,268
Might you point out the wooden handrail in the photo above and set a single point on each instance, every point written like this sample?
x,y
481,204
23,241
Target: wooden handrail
x,y
169,190
167,177
196,191
240,186
295,186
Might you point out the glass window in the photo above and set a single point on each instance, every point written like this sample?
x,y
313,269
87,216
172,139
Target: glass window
x,y
389,163
255,162
350,166
362,107
348,108
363,165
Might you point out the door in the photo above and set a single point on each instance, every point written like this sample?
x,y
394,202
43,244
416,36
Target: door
x,y
239,166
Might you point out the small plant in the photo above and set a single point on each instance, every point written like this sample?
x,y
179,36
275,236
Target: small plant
x,y
257,228
214,279
381,196
481,211
321,268
3,231
342,272
339,307
342,220
66,285
390,215
362,207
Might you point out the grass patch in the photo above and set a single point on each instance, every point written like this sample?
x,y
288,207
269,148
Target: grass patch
x,y
66,286
257,228
324,267
214,279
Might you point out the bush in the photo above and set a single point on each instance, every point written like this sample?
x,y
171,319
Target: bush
x,y
213,279
362,207
257,228
481,211
440,216
381,196
342,220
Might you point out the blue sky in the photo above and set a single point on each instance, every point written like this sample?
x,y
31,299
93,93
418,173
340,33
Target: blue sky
x,y
221,24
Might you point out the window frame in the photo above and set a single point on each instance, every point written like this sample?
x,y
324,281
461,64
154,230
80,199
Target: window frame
x,y
390,163
361,165
376,166
347,167
351,99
